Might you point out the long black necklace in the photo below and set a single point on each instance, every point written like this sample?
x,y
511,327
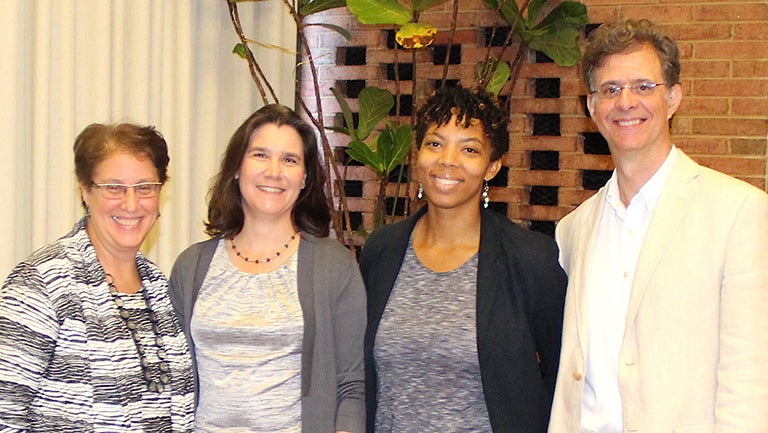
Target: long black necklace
x,y
265,260
157,380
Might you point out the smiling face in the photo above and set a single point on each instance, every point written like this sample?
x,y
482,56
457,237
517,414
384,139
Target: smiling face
x,y
452,164
272,172
118,227
631,123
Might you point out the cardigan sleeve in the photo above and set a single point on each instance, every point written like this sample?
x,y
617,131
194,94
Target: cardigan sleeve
x,y
349,320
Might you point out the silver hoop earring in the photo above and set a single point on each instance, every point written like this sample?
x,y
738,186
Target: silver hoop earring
x,y
485,195
420,192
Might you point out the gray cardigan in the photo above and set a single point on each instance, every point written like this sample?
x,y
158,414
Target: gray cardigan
x,y
333,302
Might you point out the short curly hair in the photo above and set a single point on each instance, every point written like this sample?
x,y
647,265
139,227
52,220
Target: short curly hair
x,y
466,105
623,37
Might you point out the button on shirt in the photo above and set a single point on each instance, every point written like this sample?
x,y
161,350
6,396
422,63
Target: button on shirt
x,y
620,236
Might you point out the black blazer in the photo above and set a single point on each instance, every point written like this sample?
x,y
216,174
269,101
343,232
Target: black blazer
x,y
520,298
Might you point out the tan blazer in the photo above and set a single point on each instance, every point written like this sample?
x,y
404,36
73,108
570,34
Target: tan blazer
x,y
695,352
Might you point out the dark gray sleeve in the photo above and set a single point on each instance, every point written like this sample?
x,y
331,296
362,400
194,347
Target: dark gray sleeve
x,y
349,320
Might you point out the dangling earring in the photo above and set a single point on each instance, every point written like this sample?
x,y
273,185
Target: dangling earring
x,y
485,195
420,192
158,214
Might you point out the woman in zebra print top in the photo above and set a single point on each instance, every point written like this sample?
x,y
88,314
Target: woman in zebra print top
x,y
89,341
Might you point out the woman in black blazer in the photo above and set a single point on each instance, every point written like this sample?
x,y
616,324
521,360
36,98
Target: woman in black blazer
x,y
464,306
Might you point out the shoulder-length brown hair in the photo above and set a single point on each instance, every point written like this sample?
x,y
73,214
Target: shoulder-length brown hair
x,y
310,213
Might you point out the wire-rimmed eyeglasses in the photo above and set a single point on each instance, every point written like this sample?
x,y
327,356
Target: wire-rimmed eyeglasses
x,y
642,88
118,190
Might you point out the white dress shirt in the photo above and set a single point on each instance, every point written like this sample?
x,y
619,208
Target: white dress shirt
x,y
620,236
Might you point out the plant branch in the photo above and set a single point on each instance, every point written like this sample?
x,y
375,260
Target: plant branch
x,y
450,41
507,43
253,66
334,182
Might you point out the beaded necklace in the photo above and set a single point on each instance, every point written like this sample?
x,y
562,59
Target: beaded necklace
x,y
264,260
155,380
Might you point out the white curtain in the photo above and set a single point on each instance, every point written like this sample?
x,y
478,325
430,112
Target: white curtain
x,y
168,63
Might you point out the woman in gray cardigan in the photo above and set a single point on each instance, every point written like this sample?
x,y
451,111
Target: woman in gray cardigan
x,y
273,309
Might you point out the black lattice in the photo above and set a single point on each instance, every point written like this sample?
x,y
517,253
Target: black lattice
x,y
594,179
351,55
546,124
546,227
545,160
543,195
404,71
595,144
439,53
547,87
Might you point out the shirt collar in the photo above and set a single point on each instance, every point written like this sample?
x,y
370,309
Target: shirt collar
x,y
650,191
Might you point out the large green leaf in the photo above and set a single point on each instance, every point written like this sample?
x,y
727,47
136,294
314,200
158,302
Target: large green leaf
x,y
422,5
556,35
567,14
392,146
562,46
534,8
509,11
347,113
385,145
373,105
559,33
403,141
499,79
494,4
380,11
309,7
416,35
361,152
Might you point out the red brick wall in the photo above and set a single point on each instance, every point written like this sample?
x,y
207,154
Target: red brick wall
x,y
722,123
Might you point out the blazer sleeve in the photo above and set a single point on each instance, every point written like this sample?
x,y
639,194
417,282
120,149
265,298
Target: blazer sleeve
x,y
742,376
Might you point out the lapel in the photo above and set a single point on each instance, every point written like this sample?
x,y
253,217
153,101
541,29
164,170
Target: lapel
x,y
306,292
490,271
580,265
674,203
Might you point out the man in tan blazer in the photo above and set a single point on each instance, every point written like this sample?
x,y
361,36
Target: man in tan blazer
x,y
666,316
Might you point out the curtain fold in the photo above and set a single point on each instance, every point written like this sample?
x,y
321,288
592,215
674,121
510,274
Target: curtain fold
x,y
68,64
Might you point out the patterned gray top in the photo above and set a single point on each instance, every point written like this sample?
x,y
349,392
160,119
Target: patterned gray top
x,y
248,331
67,359
426,353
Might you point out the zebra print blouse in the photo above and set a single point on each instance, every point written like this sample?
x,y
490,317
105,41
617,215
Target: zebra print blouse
x,y
67,360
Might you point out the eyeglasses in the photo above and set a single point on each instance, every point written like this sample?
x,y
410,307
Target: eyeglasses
x,y
612,91
118,190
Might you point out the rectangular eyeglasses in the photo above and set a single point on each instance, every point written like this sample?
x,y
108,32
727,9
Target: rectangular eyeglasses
x,y
642,88
118,190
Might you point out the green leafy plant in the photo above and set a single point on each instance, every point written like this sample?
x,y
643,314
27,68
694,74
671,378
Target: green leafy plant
x,y
389,149
556,34
550,26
